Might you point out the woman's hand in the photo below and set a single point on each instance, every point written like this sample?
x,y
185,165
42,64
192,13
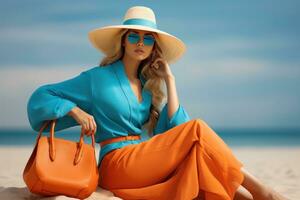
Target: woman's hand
x,y
161,67
87,122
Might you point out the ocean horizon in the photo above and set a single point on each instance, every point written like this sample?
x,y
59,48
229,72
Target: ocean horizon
x,y
234,137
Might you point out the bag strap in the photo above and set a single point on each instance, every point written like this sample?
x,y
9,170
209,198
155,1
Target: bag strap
x,y
41,130
52,151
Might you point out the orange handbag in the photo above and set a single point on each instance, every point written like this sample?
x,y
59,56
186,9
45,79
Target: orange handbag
x,y
61,167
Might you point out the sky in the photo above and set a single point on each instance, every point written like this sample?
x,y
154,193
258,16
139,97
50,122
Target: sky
x,y
241,67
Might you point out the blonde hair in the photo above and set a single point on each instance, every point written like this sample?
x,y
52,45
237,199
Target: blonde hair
x,y
153,82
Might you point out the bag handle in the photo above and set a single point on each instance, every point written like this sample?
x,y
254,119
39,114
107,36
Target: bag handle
x,y
79,152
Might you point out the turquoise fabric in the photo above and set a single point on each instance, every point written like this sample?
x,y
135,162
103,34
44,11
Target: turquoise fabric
x,y
141,22
105,93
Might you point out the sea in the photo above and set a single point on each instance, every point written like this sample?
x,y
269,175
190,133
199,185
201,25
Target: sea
x,y
234,137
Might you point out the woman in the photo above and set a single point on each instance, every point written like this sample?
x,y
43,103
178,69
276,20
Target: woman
x,y
120,100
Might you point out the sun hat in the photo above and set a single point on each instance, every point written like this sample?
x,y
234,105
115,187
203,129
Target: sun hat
x,y
141,18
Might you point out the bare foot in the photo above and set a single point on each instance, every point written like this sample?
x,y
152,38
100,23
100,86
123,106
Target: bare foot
x,y
269,194
276,196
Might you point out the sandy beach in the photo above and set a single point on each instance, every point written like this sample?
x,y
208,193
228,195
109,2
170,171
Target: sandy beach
x,y
278,167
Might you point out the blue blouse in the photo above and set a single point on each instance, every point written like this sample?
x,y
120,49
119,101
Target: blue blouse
x,y
106,94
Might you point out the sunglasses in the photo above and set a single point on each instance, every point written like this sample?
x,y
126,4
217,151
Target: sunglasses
x,y
134,38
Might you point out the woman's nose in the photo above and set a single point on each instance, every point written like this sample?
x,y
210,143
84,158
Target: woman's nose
x,y
140,43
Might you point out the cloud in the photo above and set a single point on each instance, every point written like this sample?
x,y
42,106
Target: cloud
x,y
221,58
226,67
259,111
234,45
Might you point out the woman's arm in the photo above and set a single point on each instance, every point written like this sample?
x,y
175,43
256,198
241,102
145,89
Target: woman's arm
x,y
162,69
172,113
173,102
55,101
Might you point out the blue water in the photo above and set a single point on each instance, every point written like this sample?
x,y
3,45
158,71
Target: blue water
x,y
233,137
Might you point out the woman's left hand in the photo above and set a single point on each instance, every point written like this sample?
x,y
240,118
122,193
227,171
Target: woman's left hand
x,y
161,67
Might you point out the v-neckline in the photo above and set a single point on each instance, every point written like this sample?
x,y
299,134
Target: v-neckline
x,y
130,89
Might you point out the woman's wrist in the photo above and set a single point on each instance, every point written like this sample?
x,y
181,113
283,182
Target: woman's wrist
x,y
73,111
169,78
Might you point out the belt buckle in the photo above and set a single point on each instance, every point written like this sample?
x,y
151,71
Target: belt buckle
x,y
129,137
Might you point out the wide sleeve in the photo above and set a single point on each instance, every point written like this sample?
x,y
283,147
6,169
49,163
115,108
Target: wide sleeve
x,y
164,123
54,101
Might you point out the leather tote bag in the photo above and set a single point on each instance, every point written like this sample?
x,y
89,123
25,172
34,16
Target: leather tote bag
x,y
61,167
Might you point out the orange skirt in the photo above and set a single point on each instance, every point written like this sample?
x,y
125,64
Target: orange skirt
x,y
176,164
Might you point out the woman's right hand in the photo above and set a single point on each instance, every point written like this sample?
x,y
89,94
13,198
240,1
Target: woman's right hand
x,y
87,122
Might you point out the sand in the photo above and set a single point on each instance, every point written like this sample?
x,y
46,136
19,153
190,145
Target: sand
x,y
277,167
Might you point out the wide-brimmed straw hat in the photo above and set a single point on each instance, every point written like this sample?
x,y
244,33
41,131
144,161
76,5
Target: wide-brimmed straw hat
x,y
141,18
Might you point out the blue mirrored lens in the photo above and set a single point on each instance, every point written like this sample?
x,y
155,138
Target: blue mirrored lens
x,y
148,40
134,38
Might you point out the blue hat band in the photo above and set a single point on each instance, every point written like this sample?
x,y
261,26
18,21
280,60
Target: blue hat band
x,y
143,22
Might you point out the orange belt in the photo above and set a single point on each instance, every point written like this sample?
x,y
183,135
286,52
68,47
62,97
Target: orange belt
x,y
129,137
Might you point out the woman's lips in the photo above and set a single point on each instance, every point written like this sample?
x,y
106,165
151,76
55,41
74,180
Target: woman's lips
x,y
139,51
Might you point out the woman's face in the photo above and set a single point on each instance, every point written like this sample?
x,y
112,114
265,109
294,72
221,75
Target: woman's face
x,y
138,44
